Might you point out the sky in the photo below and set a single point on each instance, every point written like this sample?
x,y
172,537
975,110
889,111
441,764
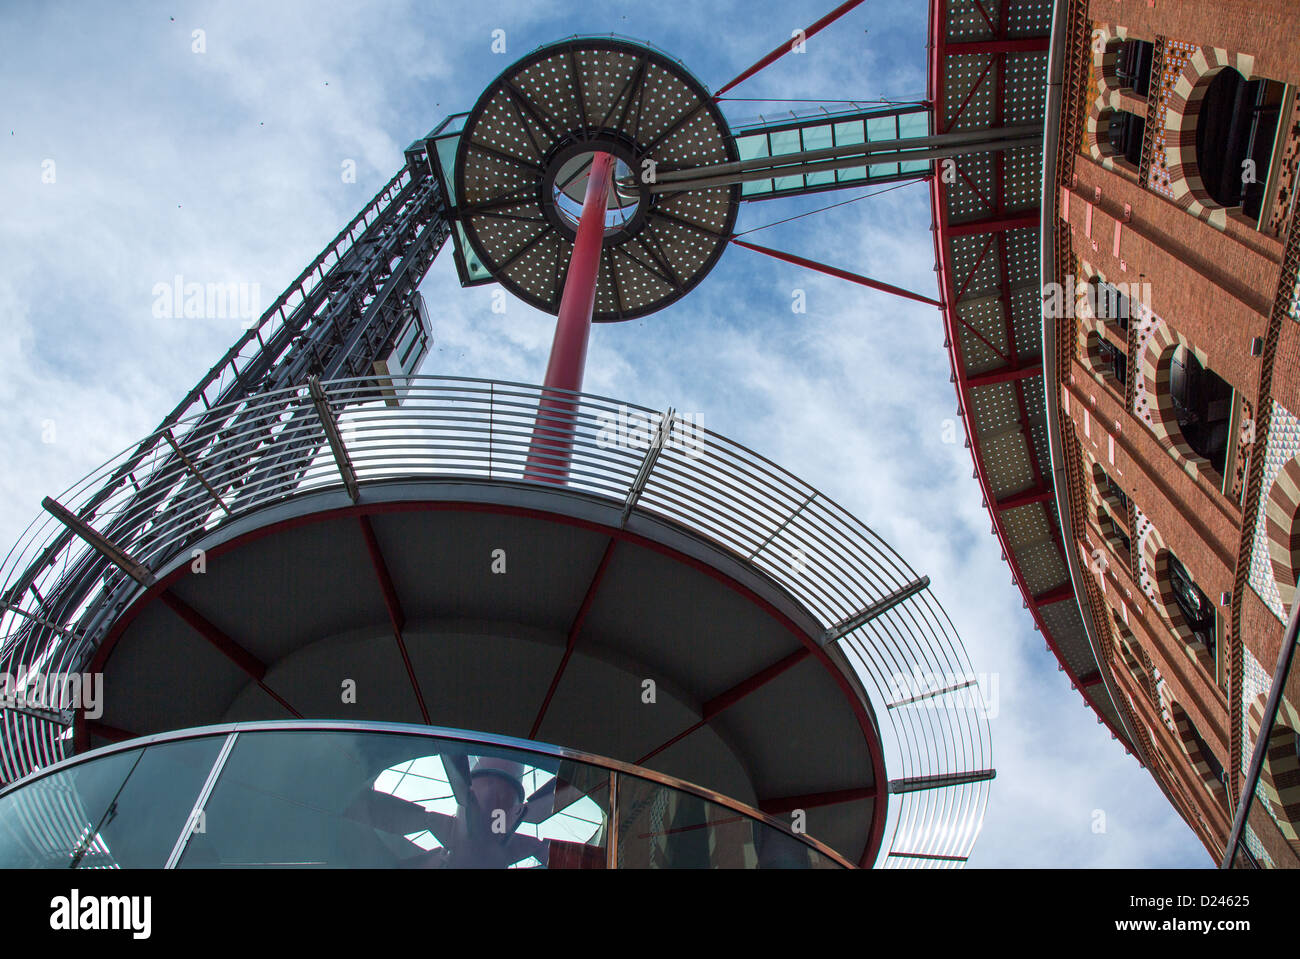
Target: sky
x,y
128,157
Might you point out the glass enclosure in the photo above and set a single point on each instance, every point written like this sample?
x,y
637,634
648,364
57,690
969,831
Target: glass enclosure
x,y
297,795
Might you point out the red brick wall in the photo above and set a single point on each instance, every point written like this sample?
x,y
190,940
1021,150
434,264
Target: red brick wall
x,y
1265,28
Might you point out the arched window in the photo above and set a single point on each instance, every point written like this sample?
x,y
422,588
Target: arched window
x,y
1115,535
1124,134
1133,65
1193,604
1216,767
1114,361
1236,123
1202,403
1112,303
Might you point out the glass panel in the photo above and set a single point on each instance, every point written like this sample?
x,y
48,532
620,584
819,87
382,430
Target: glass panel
x,y
817,138
882,128
913,125
756,187
851,131
916,166
751,147
820,179
151,811
473,265
879,170
851,173
664,828
330,799
785,141
789,183
53,822
447,147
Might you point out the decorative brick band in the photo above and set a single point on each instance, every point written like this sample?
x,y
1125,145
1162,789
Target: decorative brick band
x,y
1181,115
1282,528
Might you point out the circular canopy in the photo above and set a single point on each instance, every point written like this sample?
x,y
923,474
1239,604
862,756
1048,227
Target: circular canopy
x,y
522,164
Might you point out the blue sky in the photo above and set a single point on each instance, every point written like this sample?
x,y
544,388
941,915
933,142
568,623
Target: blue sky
x,y
224,166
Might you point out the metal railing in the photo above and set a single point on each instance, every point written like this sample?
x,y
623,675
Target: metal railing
x,y
865,597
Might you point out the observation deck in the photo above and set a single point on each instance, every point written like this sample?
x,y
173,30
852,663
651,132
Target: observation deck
x,y
680,604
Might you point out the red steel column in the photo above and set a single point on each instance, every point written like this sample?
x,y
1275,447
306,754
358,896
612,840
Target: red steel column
x,y
552,444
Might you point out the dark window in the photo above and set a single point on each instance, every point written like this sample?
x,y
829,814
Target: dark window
x,y
1112,304
1202,402
1216,768
1113,488
1193,604
1114,358
1125,134
1237,122
1133,65
1125,545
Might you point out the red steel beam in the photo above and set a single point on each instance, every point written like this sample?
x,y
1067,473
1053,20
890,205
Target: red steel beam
x,y
732,696
1035,494
1056,595
395,614
574,629
1024,45
776,807
113,734
788,45
995,224
241,657
1006,375
836,272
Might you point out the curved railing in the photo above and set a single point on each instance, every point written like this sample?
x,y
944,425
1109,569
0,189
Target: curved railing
x,y
61,597
367,795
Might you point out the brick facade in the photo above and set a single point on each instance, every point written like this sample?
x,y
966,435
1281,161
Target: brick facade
x,y
1221,288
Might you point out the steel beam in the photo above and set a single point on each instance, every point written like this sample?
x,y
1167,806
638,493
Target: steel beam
x,y
913,784
100,543
333,437
836,272
1035,494
858,159
995,224
1005,375
651,457
571,641
880,606
788,45
1056,595
393,604
785,804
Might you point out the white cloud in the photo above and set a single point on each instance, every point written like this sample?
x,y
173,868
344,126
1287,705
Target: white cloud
x,y
225,166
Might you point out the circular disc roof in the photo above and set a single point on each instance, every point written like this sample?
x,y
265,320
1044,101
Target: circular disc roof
x,y
523,158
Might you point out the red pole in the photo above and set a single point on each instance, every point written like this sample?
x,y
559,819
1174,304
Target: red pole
x,y
552,445
786,47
